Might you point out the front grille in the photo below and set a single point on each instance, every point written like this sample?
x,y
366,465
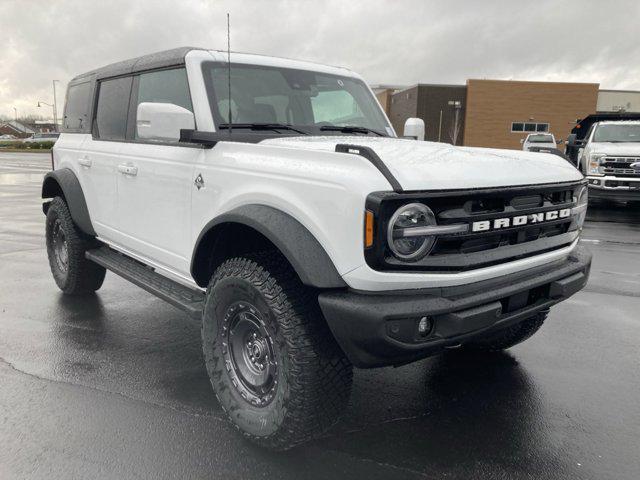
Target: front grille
x,y
620,166
471,250
502,206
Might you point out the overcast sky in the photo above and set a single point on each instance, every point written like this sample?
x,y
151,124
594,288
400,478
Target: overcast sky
x,y
397,42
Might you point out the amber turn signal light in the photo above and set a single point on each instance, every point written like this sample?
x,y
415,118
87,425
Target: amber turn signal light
x,y
368,229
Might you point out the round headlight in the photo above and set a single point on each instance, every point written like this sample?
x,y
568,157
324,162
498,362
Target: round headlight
x,y
403,245
581,205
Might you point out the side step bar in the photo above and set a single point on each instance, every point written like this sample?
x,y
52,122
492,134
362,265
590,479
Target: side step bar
x,y
187,299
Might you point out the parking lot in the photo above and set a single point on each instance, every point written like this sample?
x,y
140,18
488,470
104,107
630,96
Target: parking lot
x,y
113,385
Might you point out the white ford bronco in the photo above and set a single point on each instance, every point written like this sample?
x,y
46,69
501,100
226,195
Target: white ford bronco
x,y
272,201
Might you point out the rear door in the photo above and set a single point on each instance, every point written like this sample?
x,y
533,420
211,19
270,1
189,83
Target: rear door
x,y
96,162
154,179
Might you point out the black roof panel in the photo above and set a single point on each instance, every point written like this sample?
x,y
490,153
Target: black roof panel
x,y
166,58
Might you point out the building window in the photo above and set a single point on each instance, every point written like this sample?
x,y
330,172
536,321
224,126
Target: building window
x,y
529,127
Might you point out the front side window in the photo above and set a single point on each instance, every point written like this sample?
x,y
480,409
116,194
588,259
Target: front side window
x,y
619,133
113,105
165,86
304,99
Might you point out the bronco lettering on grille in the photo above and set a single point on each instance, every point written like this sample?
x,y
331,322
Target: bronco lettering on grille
x,y
500,223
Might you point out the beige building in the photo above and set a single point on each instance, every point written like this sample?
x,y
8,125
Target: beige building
x,y
618,101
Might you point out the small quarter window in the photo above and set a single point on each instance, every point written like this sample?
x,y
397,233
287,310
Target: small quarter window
x,y
77,106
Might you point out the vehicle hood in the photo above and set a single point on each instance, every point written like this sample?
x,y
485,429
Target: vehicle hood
x,y
609,148
421,165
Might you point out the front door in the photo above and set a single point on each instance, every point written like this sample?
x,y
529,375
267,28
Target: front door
x,y
154,184
155,179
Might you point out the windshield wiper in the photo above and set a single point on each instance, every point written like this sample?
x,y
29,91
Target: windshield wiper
x,y
262,126
350,129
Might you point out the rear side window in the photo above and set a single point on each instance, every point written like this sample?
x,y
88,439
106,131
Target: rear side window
x,y
111,112
77,106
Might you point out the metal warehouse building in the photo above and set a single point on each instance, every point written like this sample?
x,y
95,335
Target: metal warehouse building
x,y
499,113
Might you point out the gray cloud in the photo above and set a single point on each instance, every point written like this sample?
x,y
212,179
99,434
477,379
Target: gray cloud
x,y
400,42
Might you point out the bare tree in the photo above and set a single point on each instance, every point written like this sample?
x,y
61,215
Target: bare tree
x,y
456,126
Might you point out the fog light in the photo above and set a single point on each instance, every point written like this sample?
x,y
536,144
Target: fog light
x,y
424,326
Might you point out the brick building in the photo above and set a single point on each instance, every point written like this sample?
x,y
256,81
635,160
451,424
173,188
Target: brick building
x,y
440,106
500,113
495,113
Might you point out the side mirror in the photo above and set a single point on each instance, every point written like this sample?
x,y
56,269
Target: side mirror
x,y
573,142
522,140
414,127
162,121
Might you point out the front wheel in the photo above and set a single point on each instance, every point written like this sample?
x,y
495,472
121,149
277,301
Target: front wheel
x,y
510,336
66,246
273,363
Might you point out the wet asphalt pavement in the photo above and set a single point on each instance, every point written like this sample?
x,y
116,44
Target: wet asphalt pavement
x,y
113,385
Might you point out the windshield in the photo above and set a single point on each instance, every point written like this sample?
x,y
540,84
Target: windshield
x,y
617,133
541,139
298,98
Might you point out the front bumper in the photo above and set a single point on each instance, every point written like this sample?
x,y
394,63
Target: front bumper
x,y
623,189
380,328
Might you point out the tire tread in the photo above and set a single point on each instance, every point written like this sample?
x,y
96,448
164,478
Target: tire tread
x,y
320,376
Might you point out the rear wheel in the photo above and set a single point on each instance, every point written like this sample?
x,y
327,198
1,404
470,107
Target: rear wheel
x,y
273,363
66,246
510,336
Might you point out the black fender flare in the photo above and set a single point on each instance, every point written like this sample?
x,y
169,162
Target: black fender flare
x,y
303,251
65,182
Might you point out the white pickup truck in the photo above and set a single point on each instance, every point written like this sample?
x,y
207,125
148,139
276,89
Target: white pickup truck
x,y
609,156
272,201
539,141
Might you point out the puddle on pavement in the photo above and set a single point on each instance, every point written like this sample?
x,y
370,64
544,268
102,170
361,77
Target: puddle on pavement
x,y
20,178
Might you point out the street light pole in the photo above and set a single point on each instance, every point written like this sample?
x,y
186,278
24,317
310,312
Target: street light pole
x,y
15,111
54,112
55,106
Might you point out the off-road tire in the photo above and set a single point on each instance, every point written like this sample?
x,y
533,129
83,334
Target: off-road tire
x,y
510,336
81,276
313,375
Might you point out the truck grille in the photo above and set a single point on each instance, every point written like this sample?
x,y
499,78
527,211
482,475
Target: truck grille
x,y
471,250
620,166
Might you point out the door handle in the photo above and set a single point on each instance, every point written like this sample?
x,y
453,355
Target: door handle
x,y
85,162
130,170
